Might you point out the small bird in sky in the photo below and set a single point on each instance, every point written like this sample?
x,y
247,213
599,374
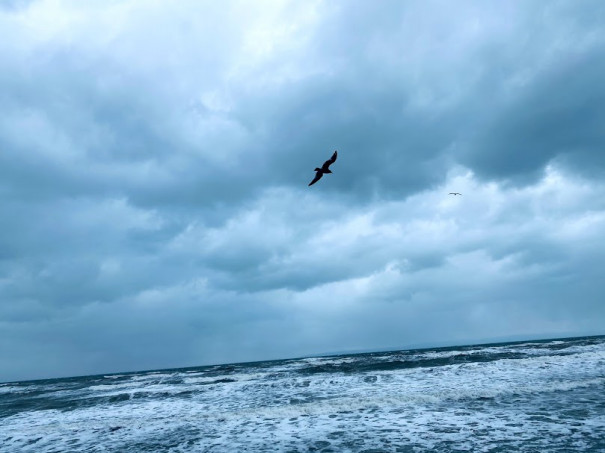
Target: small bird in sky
x,y
325,168
455,193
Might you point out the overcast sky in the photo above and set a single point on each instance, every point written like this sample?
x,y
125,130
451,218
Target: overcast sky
x,y
155,156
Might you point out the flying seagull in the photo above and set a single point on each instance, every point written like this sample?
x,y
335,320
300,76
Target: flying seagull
x,y
455,193
325,168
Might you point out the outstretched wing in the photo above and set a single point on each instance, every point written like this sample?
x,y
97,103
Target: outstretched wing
x,y
330,161
318,176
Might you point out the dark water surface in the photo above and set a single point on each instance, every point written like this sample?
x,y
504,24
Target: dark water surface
x,y
543,396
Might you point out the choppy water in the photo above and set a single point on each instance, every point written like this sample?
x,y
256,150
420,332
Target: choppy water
x,y
536,397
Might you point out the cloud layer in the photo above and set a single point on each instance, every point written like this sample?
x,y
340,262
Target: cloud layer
x,y
154,164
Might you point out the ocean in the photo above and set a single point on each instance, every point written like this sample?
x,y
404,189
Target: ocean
x,y
535,396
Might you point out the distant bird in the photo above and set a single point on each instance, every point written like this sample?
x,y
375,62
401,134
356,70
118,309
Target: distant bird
x,y
455,193
325,168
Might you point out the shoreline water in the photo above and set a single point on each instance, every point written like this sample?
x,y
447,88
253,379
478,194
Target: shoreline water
x,y
413,348
545,395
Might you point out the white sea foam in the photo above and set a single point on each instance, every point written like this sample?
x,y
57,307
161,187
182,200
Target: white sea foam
x,y
542,402
11,389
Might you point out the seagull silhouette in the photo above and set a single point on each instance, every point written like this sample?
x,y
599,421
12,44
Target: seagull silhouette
x,y
455,193
325,168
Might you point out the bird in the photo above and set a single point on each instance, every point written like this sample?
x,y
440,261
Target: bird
x,y
455,193
325,168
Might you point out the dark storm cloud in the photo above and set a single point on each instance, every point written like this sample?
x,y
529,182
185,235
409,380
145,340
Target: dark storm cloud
x,y
559,114
544,102
154,165
504,90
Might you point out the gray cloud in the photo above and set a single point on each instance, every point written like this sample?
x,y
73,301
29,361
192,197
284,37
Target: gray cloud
x,y
557,115
154,162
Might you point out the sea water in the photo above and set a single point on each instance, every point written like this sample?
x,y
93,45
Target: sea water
x,y
542,396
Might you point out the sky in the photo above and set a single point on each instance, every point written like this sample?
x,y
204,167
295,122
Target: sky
x,y
155,159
